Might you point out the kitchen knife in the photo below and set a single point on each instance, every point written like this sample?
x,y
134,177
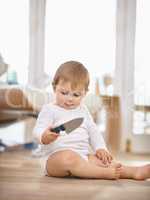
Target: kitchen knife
x,y
68,126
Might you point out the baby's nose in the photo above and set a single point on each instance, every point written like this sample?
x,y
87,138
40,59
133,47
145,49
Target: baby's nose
x,y
70,97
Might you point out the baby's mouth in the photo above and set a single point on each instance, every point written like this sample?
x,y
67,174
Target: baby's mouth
x,y
69,105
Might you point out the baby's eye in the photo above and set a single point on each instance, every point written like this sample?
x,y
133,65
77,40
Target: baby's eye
x,y
64,93
76,95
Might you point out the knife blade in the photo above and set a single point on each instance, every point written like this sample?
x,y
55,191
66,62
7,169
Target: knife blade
x,y
68,126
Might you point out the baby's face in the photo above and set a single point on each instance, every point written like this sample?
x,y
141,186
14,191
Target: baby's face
x,y
66,97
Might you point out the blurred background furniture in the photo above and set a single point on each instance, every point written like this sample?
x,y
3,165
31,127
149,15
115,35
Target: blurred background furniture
x,y
113,123
143,108
14,105
17,117
141,119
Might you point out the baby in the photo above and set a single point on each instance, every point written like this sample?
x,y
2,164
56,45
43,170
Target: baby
x,y
69,154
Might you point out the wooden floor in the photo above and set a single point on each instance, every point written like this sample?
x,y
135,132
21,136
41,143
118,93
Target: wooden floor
x,y
21,177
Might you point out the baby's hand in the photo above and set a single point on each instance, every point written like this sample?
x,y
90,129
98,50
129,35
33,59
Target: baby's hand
x,y
104,156
49,136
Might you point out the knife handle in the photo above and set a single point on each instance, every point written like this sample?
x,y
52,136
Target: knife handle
x,y
58,129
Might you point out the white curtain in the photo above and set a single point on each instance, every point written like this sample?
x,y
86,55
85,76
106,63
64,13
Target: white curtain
x,y
36,75
124,74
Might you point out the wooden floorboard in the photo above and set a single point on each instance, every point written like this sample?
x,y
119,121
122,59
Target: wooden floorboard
x,y
21,177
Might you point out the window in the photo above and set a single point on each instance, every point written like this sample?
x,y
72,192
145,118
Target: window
x,y
142,64
14,32
81,30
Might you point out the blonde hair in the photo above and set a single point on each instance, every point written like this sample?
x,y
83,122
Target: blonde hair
x,y
73,72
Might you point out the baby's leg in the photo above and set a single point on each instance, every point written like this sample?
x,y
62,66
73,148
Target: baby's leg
x,y
137,173
66,163
129,172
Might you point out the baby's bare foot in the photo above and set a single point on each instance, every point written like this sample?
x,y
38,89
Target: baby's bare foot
x,y
143,172
114,172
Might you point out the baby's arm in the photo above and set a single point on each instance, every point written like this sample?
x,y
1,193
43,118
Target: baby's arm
x,y
42,127
97,142
48,136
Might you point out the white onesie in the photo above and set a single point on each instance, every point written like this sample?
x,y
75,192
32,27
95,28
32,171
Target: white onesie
x,y
79,140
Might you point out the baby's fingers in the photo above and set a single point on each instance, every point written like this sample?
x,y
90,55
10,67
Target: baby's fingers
x,y
104,159
109,158
53,136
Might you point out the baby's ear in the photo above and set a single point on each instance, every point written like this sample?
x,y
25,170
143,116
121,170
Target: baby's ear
x,y
54,86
